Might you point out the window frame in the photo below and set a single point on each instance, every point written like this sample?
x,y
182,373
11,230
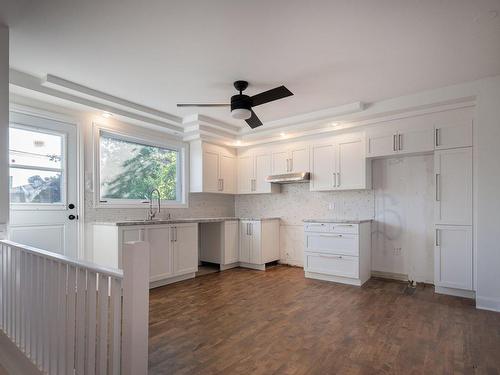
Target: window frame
x,y
57,206
143,138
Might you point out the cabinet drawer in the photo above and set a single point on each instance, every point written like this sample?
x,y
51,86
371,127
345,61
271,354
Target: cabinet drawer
x,y
317,227
336,265
331,243
344,228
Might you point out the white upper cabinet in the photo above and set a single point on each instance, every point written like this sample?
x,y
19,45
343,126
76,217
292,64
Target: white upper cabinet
x,y
453,133
253,168
323,166
340,164
246,173
453,184
212,168
293,158
453,257
399,139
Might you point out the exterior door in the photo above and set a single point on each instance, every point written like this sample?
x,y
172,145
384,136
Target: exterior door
x,y
43,184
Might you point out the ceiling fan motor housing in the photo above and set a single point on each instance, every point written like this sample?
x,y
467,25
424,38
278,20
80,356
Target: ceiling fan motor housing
x,y
241,106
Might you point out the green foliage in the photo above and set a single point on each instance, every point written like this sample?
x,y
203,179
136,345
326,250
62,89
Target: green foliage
x,y
150,168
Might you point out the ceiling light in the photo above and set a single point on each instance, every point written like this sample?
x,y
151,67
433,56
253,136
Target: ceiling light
x,y
238,143
107,114
282,135
335,123
241,113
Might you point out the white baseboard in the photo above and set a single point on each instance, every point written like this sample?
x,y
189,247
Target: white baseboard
x,y
337,279
292,262
13,360
156,284
224,267
390,275
454,292
259,267
487,303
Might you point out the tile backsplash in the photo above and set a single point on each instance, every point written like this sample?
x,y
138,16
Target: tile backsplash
x,y
296,203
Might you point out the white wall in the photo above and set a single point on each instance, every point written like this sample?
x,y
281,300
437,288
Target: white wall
x,y
487,203
402,232
4,129
296,203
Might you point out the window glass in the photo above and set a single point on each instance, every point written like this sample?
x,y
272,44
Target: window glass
x,y
36,166
131,170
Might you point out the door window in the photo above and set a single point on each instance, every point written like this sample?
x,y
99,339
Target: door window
x,y
37,172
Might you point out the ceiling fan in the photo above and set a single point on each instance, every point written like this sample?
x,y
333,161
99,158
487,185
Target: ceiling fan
x,y
241,104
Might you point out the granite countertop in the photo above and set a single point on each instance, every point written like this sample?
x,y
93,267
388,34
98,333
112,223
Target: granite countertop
x,y
341,221
183,220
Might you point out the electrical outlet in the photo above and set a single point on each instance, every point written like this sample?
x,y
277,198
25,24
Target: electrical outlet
x,y
397,251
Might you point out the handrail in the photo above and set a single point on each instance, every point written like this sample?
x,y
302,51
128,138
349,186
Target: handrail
x,y
112,272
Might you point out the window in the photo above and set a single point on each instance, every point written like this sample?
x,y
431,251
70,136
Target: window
x,y
129,169
36,171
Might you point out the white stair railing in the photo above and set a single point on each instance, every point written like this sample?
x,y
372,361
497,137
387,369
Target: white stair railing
x,y
74,317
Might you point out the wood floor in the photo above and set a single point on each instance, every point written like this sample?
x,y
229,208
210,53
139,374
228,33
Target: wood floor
x,y
276,322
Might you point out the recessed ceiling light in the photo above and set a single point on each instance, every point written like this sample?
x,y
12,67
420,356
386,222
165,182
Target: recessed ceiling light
x,y
282,135
107,114
335,123
238,143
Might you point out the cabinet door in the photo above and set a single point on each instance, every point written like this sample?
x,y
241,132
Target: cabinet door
x,y
323,167
351,163
227,173
210,171
185,246
416,139
244,241
381,143
453,184
262,170
453,135
161,260
280,162
245,174
453,257
231,243
255,248
299,159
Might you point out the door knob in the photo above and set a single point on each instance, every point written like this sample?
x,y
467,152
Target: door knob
x,y
71,206
72,217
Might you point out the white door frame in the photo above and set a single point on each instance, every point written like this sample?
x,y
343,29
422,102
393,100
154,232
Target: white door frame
x,y
80,194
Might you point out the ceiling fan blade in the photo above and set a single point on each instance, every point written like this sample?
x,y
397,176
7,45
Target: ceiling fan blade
x,y
270,95
254,121
203,105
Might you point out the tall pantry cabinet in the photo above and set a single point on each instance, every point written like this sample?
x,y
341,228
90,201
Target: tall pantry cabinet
x,y
453,256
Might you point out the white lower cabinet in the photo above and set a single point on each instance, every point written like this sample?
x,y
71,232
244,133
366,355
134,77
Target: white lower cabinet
x,y
173,248
338,252
231,243
259,243
453,257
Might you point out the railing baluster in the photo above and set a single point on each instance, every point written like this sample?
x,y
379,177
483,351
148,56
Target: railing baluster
x,y
61,321
81,308
70,321
116,320
103,313
91,323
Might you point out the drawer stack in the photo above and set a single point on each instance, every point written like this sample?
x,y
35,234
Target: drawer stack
x,y
338,251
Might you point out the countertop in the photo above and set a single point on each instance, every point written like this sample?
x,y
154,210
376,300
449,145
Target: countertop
x,y
357,221
184,220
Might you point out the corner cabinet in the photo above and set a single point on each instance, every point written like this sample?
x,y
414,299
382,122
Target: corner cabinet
x,y
212,168
253,168
173,248
340,164
259,243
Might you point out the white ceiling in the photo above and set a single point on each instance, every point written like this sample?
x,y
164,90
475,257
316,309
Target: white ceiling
x,y
328,53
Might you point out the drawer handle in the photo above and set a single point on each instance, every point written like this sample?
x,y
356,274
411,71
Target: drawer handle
x,y
331,256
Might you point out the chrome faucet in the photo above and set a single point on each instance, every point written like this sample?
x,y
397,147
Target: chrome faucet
x,y
151,212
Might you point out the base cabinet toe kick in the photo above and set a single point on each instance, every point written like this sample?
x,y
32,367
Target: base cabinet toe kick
x,y
339,252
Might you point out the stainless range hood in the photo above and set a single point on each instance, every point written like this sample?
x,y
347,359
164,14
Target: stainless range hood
x,y
289,178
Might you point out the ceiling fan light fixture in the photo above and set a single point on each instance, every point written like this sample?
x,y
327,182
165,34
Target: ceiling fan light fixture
x,y
241,113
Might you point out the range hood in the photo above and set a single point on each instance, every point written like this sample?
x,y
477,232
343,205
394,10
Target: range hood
x,y
289,178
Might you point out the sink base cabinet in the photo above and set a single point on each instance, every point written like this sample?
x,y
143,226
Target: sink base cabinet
x,y
173,249
338,252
